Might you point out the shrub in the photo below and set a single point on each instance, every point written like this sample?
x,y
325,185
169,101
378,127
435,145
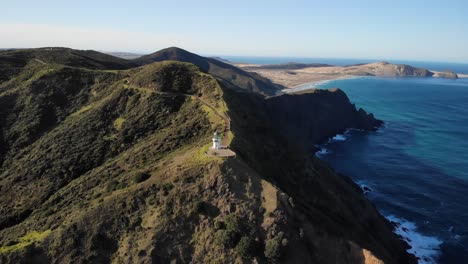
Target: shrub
x,y
140,177
232,223
198,207
244,247
112,186
273,246
229,236
218,225
223,237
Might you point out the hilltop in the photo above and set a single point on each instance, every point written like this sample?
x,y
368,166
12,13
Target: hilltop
x,y
14,61
224,72
99,165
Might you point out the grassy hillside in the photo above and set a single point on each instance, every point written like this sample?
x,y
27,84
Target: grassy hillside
x,y
13,61
102,166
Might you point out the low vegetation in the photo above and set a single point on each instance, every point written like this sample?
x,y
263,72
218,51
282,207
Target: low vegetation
x,y
104,163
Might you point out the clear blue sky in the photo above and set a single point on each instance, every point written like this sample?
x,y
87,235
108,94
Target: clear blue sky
x,y
434,30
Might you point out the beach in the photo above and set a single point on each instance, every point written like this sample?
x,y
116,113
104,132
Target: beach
x,y
310,76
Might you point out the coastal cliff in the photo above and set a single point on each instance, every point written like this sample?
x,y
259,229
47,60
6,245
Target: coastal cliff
x,y
316,115
388,69
102,166
446,74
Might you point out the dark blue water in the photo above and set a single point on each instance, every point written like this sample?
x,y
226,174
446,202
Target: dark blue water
x,y
417,164
436,66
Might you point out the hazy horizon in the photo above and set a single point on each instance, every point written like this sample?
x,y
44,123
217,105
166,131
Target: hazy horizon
x,y
415,31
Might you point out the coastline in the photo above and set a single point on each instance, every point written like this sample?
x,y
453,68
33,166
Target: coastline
x,y
301,79
425,247
312,85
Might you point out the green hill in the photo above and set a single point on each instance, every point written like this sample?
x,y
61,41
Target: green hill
x,y
224,72
100,166
13,61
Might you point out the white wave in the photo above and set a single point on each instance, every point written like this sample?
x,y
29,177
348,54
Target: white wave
x,y
426,248
339,137
364,187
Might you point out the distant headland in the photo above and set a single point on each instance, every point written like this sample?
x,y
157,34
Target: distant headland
x,y
295,74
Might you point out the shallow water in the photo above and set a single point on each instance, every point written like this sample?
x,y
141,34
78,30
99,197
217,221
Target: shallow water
x,y
416,166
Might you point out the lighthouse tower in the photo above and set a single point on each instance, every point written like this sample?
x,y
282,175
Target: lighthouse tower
x,y
216,141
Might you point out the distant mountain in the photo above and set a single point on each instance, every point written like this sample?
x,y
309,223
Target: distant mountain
x,y
388,69
13,61
227,73
125,55
221,59
289,66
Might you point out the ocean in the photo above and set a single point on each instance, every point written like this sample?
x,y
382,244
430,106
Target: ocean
x,y
436,66
415,167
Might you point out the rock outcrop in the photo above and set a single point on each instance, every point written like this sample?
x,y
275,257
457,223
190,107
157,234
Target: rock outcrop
x,y
317,115
388,69
445,74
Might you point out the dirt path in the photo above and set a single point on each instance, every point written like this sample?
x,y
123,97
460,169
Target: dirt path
x,y
224,116
226,119
40,61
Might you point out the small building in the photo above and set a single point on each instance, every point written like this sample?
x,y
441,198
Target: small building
x,y
216,141
217,150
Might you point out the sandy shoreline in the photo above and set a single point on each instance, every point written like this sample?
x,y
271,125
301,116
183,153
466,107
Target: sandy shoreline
x,y
302,79
313,85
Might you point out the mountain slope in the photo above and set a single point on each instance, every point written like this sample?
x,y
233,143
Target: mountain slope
x,y
109,166
13,61
222,71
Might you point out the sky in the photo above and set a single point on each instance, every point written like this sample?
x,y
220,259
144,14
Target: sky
x,y
429,30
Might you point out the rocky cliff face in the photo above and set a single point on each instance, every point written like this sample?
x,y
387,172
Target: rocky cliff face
x,y
317,115
109,166
317,205
388,69
446,74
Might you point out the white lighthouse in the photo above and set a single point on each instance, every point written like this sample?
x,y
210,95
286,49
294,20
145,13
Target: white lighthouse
x,y
216,140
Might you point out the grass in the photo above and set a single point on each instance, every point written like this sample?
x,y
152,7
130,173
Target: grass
x,y
215,120
164,135
269,197
118,123
145,91
26,240
82,110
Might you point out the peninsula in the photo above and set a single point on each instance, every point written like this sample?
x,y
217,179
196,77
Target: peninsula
x,y
295,74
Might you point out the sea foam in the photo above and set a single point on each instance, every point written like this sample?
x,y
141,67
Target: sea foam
x,y
339,137
426,248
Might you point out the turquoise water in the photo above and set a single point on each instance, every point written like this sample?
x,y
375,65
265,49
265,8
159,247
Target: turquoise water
x,y
436,66
417,164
